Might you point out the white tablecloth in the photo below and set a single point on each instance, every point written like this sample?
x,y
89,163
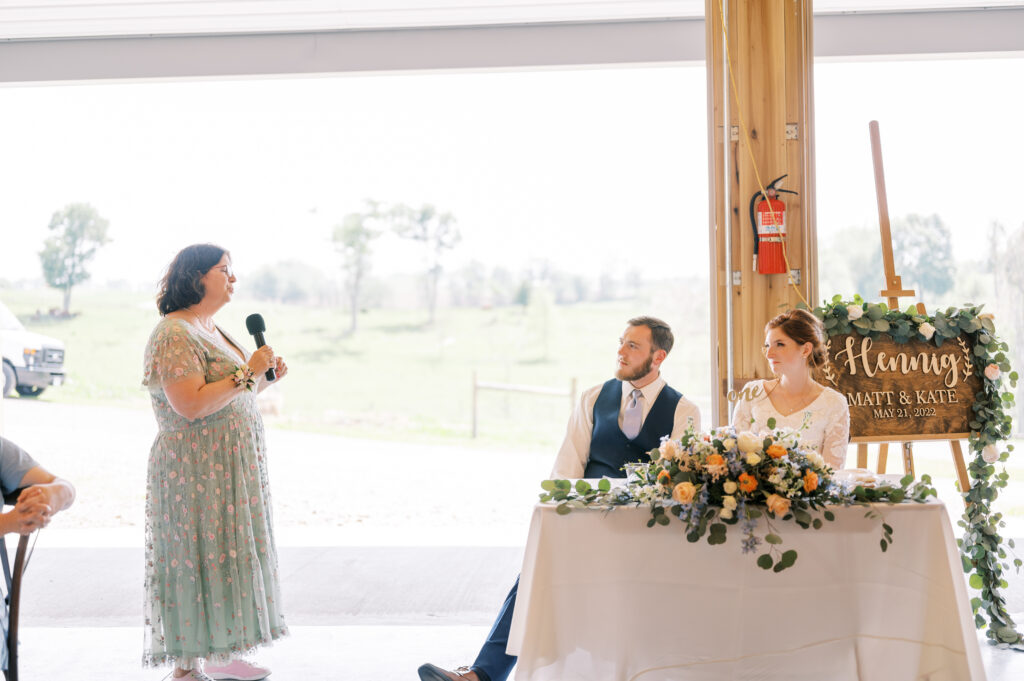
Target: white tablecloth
x,y
604,598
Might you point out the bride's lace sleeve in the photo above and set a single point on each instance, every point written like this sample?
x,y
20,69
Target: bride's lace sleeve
x,y
837,432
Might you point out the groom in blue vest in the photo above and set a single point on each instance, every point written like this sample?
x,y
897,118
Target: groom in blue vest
x,y
615,423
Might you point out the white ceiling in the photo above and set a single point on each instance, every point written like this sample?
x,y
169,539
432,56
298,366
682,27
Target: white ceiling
x,y
22,20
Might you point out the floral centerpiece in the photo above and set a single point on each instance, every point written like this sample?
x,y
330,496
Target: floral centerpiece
x,y
710,481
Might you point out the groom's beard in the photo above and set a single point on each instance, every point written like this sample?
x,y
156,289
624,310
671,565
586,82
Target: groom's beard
x,y
624,374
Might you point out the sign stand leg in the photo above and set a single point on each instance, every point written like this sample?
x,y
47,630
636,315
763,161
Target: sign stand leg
x,y
908,458
883,455
961,468
862,455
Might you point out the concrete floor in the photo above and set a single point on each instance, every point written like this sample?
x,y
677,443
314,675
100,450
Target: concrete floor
x,y
356,613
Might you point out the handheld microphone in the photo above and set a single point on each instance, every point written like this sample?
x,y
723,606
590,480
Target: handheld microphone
x,y
256,326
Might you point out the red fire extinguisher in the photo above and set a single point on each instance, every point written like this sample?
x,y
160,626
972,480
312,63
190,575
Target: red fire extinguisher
x,y
768,220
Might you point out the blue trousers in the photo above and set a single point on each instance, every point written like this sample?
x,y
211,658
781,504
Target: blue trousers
x,y
493,663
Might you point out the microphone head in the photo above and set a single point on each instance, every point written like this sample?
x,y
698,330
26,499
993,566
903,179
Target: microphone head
x,y
254,324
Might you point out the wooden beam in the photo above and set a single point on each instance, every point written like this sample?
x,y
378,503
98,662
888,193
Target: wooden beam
x,y
770,50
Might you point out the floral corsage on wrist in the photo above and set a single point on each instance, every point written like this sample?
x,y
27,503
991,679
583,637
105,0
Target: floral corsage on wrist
x,y
244,377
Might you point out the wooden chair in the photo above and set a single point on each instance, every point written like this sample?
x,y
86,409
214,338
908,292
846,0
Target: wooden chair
x,y
12,580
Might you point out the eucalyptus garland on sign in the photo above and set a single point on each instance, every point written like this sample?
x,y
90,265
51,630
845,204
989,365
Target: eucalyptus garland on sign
x,y
981,547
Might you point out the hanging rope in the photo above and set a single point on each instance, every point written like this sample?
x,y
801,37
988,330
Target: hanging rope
x,y
750,151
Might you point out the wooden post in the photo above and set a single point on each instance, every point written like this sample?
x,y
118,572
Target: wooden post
x,y
771,126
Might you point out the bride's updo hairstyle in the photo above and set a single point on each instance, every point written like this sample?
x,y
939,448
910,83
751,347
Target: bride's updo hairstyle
x,y
802,327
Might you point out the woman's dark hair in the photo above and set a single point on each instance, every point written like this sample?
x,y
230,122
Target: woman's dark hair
x,y
181,286
802,327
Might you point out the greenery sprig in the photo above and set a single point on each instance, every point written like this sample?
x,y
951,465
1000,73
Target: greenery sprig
x,y
981,547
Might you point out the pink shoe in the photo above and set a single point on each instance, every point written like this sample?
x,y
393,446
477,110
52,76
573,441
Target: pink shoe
x,y
236,670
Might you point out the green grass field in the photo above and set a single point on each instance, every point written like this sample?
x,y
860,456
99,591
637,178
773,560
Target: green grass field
x,y
395,378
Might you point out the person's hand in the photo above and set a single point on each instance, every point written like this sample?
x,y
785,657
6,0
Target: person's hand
x,y
281,369
261,360
32,512
37,493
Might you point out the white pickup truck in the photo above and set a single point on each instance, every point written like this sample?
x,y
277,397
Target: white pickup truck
x,y
32,362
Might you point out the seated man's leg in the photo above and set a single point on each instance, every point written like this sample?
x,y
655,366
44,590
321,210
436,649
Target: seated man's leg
x,y
493,663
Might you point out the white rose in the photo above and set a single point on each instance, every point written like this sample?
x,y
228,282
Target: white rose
x,y
729,443
990,454
729,487
725,514
926,330
854,312
729,503
816,459
748,442
753,459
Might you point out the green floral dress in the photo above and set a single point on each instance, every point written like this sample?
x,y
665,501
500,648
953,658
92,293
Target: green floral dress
x,y
212,585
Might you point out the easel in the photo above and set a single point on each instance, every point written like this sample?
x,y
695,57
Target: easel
x,y
893,291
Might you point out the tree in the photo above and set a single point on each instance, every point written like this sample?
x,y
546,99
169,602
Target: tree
x,y
923,253
76,234
438,233
352,240
851,262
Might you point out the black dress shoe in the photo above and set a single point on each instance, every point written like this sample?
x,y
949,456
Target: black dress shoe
x,y
430,672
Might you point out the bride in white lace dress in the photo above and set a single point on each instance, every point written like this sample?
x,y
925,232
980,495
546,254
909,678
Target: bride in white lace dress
x,y
795,346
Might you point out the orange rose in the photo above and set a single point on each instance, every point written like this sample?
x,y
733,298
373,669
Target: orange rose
x,y
748,483
777,505
714,460
776,451
684,492
664,477
810,481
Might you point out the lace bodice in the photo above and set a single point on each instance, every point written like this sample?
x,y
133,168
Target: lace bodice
x,y
827,429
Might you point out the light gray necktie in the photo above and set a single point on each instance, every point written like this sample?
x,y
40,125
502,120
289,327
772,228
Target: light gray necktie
x,y
633,415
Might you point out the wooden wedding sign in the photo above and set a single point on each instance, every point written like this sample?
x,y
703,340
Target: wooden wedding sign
x,y
903,392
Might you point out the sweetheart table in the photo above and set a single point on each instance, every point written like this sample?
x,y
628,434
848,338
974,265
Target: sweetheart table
x,y
602,597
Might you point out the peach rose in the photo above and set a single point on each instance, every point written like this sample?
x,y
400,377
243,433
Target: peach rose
x,y
777,504
684,492
810,481
714,460
748,483
992,372
776,451
669,450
